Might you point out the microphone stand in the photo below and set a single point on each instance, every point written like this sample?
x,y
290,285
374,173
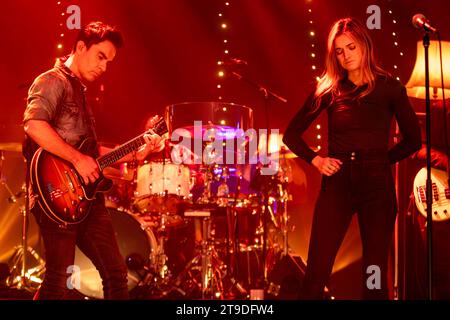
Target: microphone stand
x,y
267,95
429,194
444,109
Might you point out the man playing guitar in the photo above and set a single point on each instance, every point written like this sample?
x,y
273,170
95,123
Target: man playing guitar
x,y
57,119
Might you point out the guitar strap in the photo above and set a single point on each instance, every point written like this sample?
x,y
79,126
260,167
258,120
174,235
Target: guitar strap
x,y
89,120
86,113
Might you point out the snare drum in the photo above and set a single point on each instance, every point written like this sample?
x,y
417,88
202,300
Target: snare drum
x,y
160,186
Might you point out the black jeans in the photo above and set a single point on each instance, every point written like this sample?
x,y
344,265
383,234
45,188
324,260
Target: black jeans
x,y
364,185
96,239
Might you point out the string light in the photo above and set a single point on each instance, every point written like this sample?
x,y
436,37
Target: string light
x,y
60,44
312,54
223,27
62,34
396,44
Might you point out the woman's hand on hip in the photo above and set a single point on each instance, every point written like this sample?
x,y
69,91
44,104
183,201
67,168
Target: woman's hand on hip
x,y
327,166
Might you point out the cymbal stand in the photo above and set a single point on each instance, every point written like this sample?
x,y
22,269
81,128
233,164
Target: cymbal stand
x,y
13,197
18,260
285,170
285,220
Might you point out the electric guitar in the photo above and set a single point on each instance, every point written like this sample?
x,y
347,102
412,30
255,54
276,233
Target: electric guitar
x,y
61,191
440,194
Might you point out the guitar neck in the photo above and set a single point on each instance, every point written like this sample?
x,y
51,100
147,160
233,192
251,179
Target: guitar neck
x,y
120,152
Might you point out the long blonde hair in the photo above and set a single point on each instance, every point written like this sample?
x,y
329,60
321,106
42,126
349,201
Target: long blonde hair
x,y
329,81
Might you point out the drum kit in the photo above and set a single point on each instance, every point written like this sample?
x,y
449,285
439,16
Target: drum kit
x,y
195,229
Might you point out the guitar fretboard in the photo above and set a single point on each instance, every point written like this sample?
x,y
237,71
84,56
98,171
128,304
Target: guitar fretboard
x,y
120,152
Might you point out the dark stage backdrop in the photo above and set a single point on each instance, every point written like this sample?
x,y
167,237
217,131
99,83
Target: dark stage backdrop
x,y
170,56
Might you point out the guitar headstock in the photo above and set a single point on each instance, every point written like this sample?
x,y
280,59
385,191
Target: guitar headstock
x,y
159,127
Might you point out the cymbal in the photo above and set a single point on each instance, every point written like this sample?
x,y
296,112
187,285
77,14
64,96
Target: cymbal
x,y
115,174
217,131
11,146
287,154
213,114
284,154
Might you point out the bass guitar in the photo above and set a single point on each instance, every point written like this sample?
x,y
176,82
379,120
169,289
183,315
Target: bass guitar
x,y
440,194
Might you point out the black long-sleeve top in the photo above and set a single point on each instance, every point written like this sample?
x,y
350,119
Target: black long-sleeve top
x,y
359,124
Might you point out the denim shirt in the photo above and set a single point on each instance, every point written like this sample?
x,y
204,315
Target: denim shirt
x,y
58,97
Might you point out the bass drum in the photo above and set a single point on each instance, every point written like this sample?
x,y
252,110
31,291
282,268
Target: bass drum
x,y
134,236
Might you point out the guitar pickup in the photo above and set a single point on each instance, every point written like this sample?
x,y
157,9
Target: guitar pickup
x,y
76,175
69,181
435,191
447,193
422,196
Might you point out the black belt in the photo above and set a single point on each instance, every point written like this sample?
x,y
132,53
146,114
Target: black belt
x,y
371,154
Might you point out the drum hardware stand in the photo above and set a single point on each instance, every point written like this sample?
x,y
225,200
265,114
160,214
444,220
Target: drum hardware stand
x,y
161,258
159,278
284,198
236,243
285,226
267,94
212,268
18,260
264,242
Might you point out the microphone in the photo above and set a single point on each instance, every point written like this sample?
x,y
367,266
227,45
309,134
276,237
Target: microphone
x,y
234,62
419,21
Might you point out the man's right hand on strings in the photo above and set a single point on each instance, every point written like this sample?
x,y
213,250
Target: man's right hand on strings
x,y
87,168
